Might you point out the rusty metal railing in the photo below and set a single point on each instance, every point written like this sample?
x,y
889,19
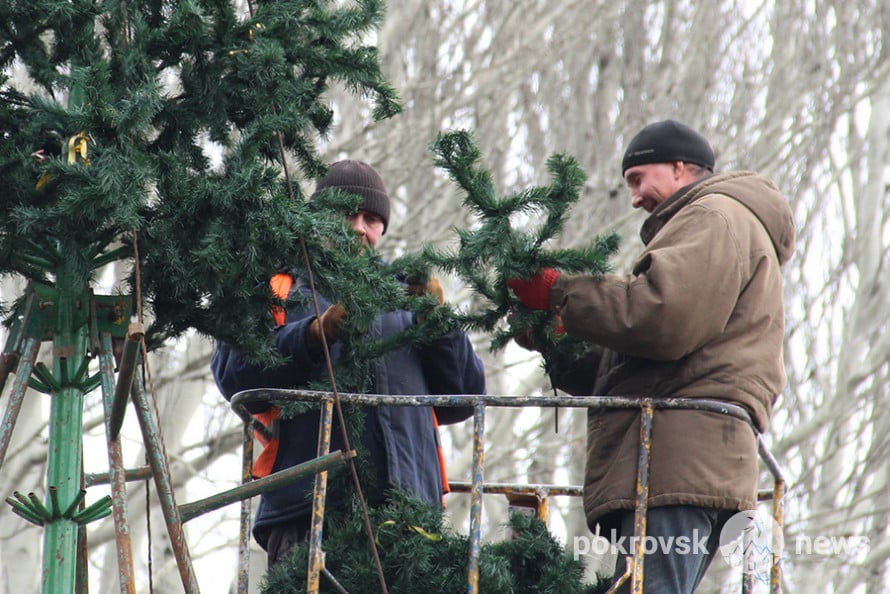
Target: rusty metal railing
x,y
477,487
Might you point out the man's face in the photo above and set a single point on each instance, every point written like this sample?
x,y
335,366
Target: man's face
x,y
368,226
653,183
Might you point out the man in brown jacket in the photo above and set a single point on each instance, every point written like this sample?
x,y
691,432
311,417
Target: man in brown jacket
x,y
700,316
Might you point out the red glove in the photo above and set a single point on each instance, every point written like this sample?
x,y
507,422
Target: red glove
x,y
535,292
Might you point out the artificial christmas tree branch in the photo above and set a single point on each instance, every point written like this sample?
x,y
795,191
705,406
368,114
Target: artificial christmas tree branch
x,y
494,251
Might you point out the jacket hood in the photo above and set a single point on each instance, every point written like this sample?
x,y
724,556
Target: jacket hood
x,y
758,194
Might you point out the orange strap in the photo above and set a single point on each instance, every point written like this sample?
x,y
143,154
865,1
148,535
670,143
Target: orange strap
x,y
262,466
446,488
280,284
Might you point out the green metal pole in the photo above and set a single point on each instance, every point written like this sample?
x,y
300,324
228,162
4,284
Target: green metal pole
x,y
65,457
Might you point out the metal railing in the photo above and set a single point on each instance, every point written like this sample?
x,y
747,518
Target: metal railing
x,y
476,487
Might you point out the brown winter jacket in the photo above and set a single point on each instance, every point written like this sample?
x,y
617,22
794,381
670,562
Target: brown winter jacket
x,y
701,316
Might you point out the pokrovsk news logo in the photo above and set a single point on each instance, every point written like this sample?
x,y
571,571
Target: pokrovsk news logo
x,y
752,540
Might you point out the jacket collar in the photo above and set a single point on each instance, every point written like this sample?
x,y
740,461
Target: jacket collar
x,y
756,193
667,209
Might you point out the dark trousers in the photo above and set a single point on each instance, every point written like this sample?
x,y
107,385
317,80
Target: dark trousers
x,y
283,537
672,566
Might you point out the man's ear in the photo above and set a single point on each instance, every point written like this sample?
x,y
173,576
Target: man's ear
x,y
679,169
682,174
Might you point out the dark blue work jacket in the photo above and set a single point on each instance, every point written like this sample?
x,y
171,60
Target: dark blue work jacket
x,y
400,440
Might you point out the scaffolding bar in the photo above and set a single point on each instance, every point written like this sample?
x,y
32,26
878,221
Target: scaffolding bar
x,y
642,493
518,489
8,363
244,519
316,530
17,394
768,459
267,395
147,414
775,576
126,371
141,473
190,511
116,475
476,499
476,488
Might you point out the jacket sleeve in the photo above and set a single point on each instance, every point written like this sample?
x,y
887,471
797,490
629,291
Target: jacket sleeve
x,y
234,372
451,366
578,377
682,292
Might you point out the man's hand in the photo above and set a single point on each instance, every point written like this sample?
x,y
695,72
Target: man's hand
x,y
527,341
431,287
417,288
329,323
534,293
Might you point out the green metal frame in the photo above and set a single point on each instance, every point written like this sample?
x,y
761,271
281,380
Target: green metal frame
x,y
81,327
67,316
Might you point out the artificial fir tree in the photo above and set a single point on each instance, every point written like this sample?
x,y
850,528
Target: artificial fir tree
x,y
185,109
497,248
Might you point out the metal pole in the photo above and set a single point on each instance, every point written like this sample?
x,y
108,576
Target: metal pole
x,y
246,504
748,562
131,475
263,395
642,509
476,498
65,456
116,474
8,362
17,394
126,370
190,511
775,576
316,554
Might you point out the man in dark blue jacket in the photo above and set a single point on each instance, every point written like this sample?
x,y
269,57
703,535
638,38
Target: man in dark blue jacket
x,y
400,440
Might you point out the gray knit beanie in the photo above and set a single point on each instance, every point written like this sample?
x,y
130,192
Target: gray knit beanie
x,y
357,177
665,142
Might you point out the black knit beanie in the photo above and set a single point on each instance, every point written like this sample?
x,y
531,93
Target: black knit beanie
x,y
357,177
665,142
